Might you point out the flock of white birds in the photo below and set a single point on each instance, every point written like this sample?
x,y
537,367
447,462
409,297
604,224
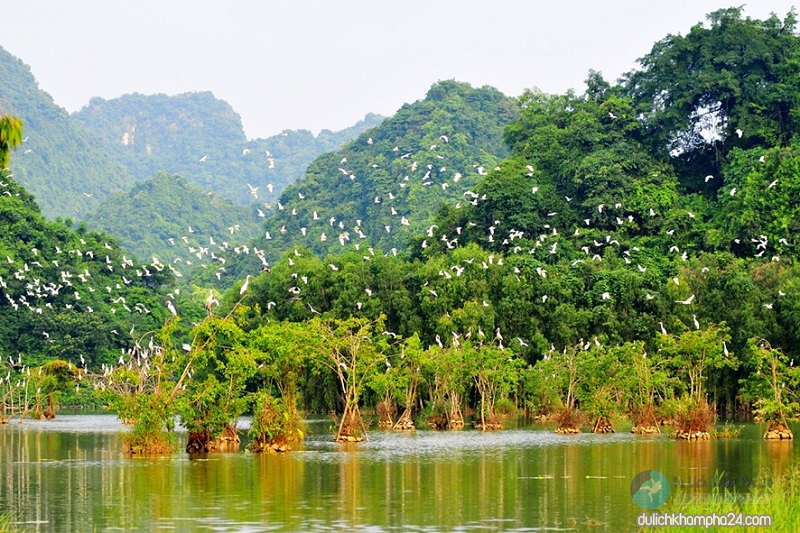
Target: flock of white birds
x,y
67,290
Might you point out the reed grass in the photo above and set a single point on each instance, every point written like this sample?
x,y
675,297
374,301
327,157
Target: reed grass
x,y
778,499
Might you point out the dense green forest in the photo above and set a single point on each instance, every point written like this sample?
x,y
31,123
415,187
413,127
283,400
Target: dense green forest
x,y
167,218
69,293
629,250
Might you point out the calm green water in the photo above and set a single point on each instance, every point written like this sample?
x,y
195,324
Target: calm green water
x,y
68,475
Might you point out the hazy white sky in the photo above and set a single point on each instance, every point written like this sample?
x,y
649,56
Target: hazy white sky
x,y
317,64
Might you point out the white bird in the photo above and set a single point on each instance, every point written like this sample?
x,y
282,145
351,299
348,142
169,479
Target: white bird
x,y
739,132
725,349
687,301
733,191
171,308
245,284
709,178
696,323
663,329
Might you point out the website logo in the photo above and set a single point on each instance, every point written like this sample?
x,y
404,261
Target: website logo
x,y
650,489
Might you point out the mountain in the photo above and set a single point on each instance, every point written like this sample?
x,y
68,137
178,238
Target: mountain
x,y
58,162
387,185
157,216
201,138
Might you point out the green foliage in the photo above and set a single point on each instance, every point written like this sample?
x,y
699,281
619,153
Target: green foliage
x,y
615,255
155,215
395,175
274,424
219,363
693,353
770,371
732,73
10,137
68,293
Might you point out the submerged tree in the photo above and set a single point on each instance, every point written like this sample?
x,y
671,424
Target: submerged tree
x,y
606,389
220,364
50,380
352,352
560,376
651,385
406,379
692,354
495,372
446,377
281,351
772,387
143,388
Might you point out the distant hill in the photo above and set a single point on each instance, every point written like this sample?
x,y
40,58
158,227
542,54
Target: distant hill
x,y
165,214
201,138
58,163
71,163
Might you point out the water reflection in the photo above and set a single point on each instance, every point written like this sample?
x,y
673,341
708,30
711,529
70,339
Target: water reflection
x,y
72,477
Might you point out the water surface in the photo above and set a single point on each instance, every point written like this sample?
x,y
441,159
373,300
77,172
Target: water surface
x,y
69,475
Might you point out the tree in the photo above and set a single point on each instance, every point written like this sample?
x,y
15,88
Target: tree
x,y
691,354
281,350
697,92
766,387
10,137
142,389
220,363
352,351
561,375
495,373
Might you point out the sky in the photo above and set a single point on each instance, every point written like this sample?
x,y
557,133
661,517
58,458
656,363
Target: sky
x,y
325,64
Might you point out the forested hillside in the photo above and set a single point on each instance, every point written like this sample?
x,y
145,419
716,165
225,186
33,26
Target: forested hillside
x,y
67,292
201,138
388,184
167,218
58,162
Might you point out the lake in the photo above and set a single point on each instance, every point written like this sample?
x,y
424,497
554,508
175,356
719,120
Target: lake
x,y
69,475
